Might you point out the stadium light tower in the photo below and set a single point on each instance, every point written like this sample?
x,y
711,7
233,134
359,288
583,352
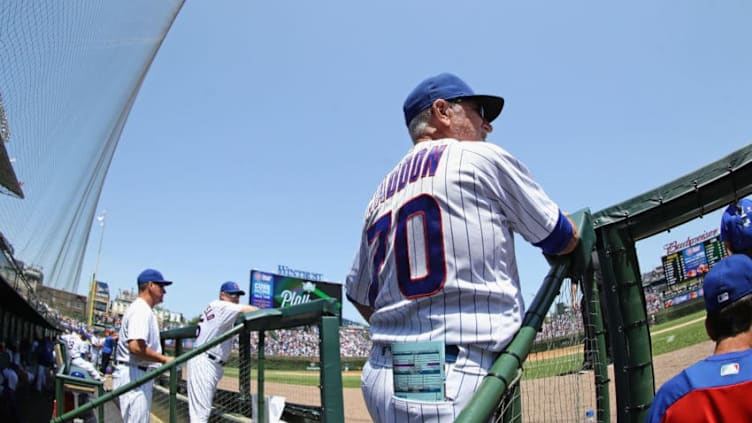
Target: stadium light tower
x,y
93,286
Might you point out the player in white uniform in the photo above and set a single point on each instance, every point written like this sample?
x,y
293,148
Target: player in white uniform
x,y
205,370
138,348
69,339
436,260
95,348
79,353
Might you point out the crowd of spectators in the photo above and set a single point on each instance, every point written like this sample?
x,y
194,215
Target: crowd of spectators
x,y
569,321
304,342
562,324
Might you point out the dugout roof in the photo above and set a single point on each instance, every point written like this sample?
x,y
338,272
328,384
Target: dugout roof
x,y
681,200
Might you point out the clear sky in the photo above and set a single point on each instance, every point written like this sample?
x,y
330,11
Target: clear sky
x,y
263,128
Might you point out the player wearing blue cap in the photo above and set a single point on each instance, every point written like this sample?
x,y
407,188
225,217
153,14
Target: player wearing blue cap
x,y
138,347
736,227
718,388
205,370
436,263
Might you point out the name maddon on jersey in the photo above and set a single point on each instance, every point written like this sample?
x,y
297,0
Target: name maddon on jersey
x,y
423,163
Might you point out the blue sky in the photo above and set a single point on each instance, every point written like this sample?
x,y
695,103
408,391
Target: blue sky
x,y
263,128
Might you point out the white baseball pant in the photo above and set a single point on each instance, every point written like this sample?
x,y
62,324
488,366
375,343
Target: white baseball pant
x,y
135,405
86,365
203,377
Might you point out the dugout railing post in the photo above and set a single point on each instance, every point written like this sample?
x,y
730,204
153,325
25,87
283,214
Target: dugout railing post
x,y
506,371
596,346
332,401
630,332
244,378
260,400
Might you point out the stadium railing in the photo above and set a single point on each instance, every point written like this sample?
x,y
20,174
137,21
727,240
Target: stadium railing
x,y
324,312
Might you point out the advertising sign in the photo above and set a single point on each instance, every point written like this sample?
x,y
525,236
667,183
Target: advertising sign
x,y
692,261
270,290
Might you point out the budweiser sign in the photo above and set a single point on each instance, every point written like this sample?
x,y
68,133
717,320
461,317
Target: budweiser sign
x,y
675,246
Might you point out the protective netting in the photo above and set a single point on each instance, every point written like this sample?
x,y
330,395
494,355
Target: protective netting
x,y
69,74
558,382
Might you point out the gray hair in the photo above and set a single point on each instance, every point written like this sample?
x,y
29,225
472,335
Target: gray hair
x,y
418,125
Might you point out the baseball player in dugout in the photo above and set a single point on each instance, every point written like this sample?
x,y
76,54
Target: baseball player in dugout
x,y
436,275
718,388
736,227
138,348
205,370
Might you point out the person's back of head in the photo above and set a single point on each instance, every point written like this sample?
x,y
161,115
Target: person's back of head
x,y
728,297
438,93
736,227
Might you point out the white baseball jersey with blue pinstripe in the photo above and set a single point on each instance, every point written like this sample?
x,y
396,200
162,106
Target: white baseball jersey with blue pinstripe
x,y
437,258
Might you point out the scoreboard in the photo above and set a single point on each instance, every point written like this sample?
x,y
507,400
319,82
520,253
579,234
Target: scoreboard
x,y
692,261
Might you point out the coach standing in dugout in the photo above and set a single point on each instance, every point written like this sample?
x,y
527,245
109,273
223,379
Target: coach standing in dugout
x,y
138,348
205,370
436,270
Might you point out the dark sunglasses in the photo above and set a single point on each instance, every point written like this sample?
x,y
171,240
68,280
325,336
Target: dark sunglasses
x,y
473,105
233,295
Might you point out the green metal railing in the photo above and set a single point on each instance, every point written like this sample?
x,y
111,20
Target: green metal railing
x,y
324,312
506,371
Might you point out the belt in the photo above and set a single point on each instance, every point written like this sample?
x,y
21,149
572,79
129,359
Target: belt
x,y
125,363
450,352
215,359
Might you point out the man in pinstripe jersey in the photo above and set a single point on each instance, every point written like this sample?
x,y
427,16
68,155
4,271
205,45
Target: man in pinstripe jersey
x,y
436,260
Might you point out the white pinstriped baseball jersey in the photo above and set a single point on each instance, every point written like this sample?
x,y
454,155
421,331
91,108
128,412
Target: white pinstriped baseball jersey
x,y
217,318
204,374
437,258
80,347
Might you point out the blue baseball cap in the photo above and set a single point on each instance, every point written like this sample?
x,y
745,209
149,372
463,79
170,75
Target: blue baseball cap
x,y
231,287
448,87
151,275
736,227
729,280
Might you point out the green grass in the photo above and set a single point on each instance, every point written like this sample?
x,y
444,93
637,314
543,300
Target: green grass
x,y
296,377
668,341
672,323
561,365
679,338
